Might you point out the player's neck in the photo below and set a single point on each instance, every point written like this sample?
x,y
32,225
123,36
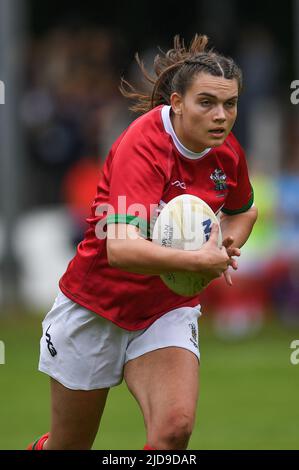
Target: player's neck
x,y
179,131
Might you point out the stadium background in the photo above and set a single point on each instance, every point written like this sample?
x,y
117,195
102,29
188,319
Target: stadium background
x,y
61,63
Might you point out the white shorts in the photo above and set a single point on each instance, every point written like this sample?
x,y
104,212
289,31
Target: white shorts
x,y
84,351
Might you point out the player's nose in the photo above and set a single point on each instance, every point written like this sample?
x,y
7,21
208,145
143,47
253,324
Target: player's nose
x,y
219,114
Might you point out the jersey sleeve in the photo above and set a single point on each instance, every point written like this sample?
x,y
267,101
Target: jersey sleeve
x,y
241,194
137,180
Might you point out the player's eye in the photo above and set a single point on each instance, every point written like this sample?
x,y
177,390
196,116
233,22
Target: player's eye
x,y
205,103
231,104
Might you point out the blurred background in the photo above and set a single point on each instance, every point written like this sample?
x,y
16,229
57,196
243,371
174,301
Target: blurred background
x,y
61,64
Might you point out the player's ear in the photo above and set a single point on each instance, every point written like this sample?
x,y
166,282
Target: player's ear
x,y
176,103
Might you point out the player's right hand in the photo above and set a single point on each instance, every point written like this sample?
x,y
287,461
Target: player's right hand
x,y
212,260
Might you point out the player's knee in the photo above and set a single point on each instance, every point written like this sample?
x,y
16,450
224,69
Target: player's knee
x,y
175,430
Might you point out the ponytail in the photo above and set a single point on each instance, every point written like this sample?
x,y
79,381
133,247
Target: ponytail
x,y
175,70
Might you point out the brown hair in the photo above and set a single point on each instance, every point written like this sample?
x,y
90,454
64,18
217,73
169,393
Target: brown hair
x,y
175,70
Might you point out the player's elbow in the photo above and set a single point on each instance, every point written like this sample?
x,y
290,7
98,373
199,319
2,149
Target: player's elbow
x,y
253,211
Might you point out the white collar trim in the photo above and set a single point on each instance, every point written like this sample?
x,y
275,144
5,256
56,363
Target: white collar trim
x,y
165,113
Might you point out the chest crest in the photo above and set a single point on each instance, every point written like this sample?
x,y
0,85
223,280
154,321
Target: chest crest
x,y
219,178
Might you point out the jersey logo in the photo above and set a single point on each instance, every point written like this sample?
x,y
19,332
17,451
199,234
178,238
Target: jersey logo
x,y
219,179
179,184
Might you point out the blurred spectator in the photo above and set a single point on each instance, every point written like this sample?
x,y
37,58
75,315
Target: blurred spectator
x,y
71,97
79,188
260,119
283,273
283,278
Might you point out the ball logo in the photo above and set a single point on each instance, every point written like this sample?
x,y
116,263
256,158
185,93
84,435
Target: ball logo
x,y
207,226
167,236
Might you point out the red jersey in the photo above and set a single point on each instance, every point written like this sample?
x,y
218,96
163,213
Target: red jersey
x,y
146,168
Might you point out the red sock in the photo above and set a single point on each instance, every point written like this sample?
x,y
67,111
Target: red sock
x,y
147,447
38,445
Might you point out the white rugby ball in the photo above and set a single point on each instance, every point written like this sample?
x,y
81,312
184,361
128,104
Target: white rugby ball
x,y
185,223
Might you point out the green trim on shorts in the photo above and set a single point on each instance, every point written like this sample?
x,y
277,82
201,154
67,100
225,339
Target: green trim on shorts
x,y
242,209
130,219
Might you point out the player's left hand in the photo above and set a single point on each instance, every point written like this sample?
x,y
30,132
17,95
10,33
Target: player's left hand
x,y
231,251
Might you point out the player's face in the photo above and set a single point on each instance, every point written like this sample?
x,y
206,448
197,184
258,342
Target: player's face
x,y
205,115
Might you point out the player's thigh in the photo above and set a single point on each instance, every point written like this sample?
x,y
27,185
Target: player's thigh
x,y
165,383
75,415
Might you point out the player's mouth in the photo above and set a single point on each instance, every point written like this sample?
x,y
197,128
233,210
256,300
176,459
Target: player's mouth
x,y
217,132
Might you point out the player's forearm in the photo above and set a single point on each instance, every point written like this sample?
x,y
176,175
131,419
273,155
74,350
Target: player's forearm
x,y
238,226
144,257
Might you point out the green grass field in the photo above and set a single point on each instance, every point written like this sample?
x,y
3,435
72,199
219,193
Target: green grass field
x,y
249,393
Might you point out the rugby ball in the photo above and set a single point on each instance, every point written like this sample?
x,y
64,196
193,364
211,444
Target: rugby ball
x,y
185,223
